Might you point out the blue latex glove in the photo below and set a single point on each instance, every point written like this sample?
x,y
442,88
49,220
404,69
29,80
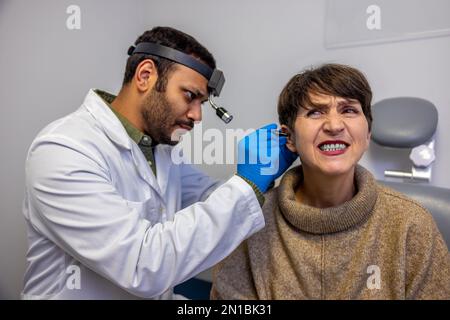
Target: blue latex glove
x,y
263,156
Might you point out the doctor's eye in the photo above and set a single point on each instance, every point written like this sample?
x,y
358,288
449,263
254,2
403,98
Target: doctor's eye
x,y
189,95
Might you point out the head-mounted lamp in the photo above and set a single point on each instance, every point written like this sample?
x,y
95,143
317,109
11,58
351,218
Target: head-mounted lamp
x,y
215,77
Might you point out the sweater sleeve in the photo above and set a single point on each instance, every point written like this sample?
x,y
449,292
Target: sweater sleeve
x,y
427,261
232,277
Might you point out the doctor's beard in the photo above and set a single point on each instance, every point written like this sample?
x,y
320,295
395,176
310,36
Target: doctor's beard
x,y
159,118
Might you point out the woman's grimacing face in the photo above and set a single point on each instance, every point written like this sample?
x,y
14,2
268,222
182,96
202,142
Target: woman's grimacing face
x,y
330,136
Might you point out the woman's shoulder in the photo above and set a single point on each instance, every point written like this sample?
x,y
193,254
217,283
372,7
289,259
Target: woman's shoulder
x,y
398,205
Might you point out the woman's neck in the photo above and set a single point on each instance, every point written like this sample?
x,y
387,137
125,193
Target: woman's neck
x,y
323,191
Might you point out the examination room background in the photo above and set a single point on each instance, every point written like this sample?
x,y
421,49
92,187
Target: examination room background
x,y
46,70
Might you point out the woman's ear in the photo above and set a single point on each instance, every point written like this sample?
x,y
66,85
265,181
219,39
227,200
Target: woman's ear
x,y
290,144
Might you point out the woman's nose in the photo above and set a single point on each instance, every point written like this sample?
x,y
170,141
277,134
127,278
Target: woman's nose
x,y
334,124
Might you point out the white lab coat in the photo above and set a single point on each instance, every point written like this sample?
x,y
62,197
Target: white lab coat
x,y
101,226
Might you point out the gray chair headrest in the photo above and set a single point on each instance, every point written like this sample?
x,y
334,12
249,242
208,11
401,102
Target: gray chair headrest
x,y
403,122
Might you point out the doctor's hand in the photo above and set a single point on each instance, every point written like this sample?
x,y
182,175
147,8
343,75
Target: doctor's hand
x,y
263,156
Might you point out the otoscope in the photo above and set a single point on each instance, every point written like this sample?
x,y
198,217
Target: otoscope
x,y
215,77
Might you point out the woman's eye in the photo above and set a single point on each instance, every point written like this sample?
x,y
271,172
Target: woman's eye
x,y
313,113
350,110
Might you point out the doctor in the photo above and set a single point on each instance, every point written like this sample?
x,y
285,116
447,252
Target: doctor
x,y
109,215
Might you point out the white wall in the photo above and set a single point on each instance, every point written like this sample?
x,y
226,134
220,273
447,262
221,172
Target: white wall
x,y
46,71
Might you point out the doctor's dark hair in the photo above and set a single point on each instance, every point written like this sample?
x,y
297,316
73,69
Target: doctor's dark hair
x,y
172,38
331,79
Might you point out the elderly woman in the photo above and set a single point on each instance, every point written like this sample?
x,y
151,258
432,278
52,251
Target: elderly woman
x,y
333,232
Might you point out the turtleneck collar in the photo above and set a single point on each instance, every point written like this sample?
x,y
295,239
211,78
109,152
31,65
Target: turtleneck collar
x,y
327,220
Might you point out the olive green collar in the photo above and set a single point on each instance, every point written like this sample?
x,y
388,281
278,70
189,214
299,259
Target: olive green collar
x,y
135,134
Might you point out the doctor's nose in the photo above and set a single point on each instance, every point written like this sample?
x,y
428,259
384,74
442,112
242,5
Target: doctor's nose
x,y
195,112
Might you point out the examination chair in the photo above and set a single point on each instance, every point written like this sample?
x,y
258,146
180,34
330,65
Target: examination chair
x,y
411,123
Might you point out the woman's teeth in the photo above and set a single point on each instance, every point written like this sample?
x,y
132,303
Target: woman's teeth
x,y
333,147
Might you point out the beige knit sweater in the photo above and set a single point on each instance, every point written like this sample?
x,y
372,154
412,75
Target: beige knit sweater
x,y
379,245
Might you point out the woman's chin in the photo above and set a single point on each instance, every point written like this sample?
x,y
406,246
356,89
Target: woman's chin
x,y
336,169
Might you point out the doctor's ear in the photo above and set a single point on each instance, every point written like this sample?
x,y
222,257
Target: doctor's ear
x,y
290,144
146,75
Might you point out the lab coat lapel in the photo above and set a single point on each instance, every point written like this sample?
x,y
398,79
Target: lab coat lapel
x,y
114,129
163,166
144,170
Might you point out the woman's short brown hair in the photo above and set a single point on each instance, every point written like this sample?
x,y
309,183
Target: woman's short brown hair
x,y
331,79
